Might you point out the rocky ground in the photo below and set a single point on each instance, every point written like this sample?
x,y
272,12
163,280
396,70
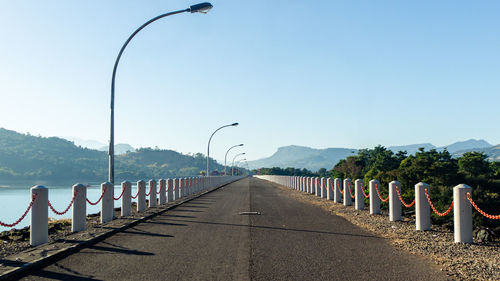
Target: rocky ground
x,y
17,240
477,261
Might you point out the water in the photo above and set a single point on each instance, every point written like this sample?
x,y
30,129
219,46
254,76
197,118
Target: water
x,y
16,197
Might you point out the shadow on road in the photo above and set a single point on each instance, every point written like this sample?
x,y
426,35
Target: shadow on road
x,y
281,229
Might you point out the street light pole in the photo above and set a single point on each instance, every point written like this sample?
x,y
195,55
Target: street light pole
x,y
225,157
232,165
208,146
238,162
198,8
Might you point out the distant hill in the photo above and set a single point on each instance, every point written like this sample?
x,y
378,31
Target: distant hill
x,y
493,152
412,148
120,148
470,144
92,144
313,159
303,157
27,157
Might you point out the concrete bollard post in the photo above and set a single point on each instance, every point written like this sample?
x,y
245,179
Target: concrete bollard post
x,y
126,199
317,187
79,220
176,189
394,202
422,207
152,193
359,203
337,186
141,197
107,202
311,185
347,193
170,190
329,191
322,187
374,199
462,214
39,226
163,196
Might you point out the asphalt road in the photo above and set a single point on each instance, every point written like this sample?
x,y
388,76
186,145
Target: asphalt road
x,y
208,239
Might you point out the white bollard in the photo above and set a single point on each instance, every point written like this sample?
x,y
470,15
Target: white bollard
x,y
311,185
141,196
170,190
394,202
374,199
329,189
126,199
79,220
337,186
347,192
107,202
322,187
359,203
162,198
39,227
462,214
152,194
422,207
176,189
317,187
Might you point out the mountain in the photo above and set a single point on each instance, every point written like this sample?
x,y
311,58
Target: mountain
x,y
412,148
27,157
493,152
471,144
303,157
313,159
92,144
120,148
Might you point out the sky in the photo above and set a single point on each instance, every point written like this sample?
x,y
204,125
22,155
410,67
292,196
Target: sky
x,y
315,73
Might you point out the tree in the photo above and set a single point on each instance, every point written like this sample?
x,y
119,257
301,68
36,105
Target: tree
x,y
475,164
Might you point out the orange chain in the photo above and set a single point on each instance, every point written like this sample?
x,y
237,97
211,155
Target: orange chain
x,y
23,216
349,187
341,191
434,209
402,201
378,192
492,217
99,200
67,208
363,190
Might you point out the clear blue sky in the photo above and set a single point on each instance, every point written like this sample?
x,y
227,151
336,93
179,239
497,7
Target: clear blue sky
x,y
315,73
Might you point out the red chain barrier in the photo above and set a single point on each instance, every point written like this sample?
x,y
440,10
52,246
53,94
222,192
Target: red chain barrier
x,y
340,190
492,217
402,201
150,189
378,192
99,200
434,209
363,190
67,208
123,191
22,217
332,186
349,187
138,189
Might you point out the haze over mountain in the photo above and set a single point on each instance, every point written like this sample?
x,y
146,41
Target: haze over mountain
x,y
120,148
314,159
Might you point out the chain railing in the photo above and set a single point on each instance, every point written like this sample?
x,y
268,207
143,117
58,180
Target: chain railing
x,y
33,198
402,201
491,217
67,208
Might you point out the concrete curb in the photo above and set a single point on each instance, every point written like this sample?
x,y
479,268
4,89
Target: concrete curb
x,y
24,267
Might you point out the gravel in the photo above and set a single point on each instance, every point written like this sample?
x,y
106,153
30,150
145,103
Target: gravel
x,y
477,261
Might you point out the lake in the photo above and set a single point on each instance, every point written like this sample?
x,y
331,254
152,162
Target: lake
x,y
15,198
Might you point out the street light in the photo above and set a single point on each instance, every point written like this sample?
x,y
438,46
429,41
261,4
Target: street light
x,y
232,166
208,146
198,8
238,162
225,157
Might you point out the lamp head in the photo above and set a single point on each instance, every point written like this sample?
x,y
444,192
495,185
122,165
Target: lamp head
x,y
235,124
201,8
241,145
